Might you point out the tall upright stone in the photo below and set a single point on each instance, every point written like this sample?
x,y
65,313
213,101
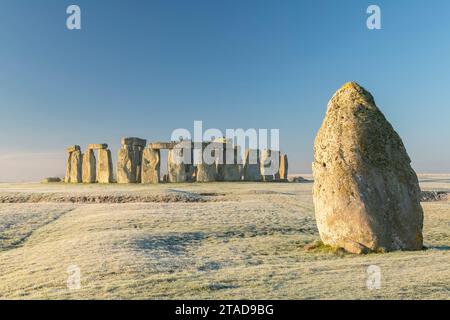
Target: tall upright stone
x,y
269,164
129,160
283,172
151,162
70,151
105,166
175,165
68,168
125,168
207,168
76,168
232,168
252,165
89,167
366,195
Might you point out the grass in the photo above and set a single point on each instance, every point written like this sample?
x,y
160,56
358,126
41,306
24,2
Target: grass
x,y
243,241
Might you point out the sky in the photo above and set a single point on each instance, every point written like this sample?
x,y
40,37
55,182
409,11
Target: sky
x,y
144,68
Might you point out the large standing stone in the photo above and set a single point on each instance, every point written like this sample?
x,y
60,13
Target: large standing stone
x,y
125,169
151,162
175,165
366,195
252,165
105,166
283,172
68,168
76,164
137,161
269,164
89,167
232,171
129,160
207,169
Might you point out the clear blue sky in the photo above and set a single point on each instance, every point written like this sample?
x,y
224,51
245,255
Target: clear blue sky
x,y
144,68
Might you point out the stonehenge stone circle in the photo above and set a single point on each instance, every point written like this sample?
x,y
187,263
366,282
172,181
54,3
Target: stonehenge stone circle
x,y
137,163
366,194
89,167
105,166
151,162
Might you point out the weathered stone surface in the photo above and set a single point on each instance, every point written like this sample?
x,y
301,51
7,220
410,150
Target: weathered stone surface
x,y
232,171
162,145
76,167
175,165
366,195
283,172
68,168
105,166
125,169
269,164
73,148
151,162
133,141
137,161
97,146
252,171
89,167
207,169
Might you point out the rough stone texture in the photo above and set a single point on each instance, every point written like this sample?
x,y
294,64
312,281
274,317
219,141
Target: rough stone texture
x,y
73,148
366,195
137,161
97,146
151,162
125,169
132,141
76,167
105,166
162,145
175,166
268,165
232,171
68,168
207,171
89,167
252,171
283,172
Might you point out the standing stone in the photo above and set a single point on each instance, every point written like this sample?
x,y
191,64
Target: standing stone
x,y
129,160
70,150
175,165
207,169
283,172
137,161
89,167
125,169
68,168
269,164
76,164
252,166
105,166
232,171
151,162
366,195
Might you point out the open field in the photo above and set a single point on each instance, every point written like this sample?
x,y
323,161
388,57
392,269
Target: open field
x,y
207,241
